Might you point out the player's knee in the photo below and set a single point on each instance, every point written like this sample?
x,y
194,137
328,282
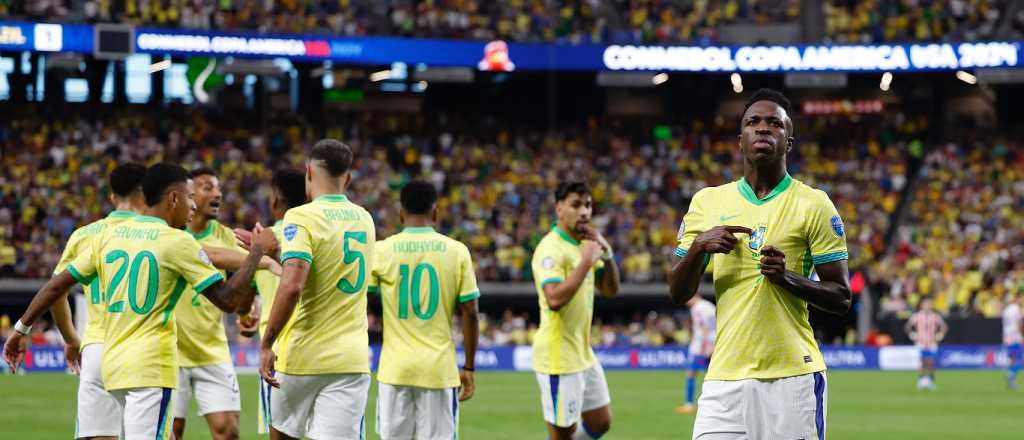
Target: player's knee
x,y
178,427
225,431
598,428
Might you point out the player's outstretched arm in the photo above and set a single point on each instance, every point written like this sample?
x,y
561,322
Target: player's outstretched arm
x,y
54,290
61,312
293,279
831,294
559,294
229,296
684,278
470,336
231,260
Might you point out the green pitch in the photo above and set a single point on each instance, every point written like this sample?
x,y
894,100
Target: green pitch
x,y
862,405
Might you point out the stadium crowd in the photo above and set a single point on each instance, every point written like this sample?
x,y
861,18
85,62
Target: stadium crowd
x,y
877,21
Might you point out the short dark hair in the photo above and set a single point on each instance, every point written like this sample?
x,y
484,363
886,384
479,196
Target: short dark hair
x,y
126,178
335,155
418,197
203,171
571,187
291,184
770,95
159,178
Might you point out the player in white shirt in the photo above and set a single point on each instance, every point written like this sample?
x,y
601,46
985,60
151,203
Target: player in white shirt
x,y
702,344
1013,327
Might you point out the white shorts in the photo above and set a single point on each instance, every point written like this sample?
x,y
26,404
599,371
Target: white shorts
x,y
790,408
325,406
565,397
99,415
146,411
263,418
407,413
215,388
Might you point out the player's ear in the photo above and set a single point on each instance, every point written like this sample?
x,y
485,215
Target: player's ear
x,y
789,143
112,199
348,179
433,214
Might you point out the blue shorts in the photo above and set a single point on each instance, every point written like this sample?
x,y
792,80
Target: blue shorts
x,y
929,354
1013,351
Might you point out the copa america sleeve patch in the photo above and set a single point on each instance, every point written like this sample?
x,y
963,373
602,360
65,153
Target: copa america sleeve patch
x,y
289,231
682,231
837,226
204,257
548,263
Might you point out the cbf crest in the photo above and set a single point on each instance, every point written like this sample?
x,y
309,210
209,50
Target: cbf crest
x,y
757,237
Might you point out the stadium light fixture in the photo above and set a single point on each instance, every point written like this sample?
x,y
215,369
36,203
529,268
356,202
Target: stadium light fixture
x,y
737,82
380,76
659,78
886,81
966,77
159,65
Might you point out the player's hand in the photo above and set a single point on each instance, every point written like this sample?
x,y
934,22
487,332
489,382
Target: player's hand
x,y
468,386
591,251
73,354
14,350
773,264
248,324
719,239
265,239
592,233
267,359
244,237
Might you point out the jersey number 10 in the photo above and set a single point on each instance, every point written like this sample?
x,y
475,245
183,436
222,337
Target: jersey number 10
x,y
407,288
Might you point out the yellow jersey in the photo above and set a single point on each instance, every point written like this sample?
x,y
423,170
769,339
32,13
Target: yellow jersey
x,y
202,340
328,328
144,267
265,283
421,276
562,342
763,330
79,242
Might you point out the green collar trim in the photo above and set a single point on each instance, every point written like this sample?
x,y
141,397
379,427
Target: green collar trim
x,y
120,214
331,198
150,219
565,236
748,193
419,230
206,233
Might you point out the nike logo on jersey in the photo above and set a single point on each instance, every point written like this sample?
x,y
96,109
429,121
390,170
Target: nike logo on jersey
x,y
727,217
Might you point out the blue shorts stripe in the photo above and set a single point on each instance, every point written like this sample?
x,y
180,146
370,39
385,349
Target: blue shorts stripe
x,y
819,401
165,403
455,413
553,383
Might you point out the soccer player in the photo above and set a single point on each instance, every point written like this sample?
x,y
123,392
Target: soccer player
x,y
763,234
568,263
146,262
926,328
1013,327
98,413
322,362
423,278
207,374
702,344
289,191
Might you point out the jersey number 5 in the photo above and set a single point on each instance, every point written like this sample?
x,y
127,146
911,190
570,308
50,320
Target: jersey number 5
x,y
352,256
407,287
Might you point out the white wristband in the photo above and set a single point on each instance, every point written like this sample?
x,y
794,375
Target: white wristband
x,y
607,255
22,328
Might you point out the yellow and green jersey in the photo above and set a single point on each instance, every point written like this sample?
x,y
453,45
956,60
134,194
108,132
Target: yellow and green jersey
x,y
143,266
265,283
202,340
328,329
562,343
421,276
763,331
78,243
